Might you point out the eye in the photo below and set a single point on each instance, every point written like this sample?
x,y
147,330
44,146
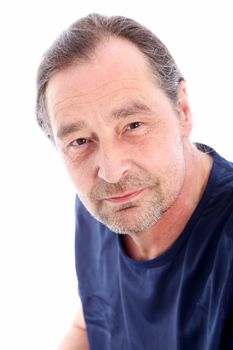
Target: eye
x,y
134,125
77,148
79,142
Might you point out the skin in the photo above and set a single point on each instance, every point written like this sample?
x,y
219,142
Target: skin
x,y
76,338
127,150
126,146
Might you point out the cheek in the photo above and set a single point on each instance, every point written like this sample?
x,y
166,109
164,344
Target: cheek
x,y
149,153
162,156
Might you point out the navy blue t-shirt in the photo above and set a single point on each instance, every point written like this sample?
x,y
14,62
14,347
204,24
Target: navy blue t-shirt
x,y
181,300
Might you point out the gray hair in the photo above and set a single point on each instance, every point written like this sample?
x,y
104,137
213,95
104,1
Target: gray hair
x,y
79,42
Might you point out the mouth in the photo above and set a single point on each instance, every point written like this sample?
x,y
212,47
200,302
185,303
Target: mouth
x,y
127,197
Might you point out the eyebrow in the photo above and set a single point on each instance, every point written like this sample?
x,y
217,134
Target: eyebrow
x,y
134,107
130,109
65,130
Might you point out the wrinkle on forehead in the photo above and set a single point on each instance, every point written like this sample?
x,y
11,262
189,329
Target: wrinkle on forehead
x,y
125,82
95,95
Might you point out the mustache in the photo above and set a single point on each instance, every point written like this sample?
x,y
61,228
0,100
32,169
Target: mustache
x,y
129,183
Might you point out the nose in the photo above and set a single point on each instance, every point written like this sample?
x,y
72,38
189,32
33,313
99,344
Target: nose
x,y
112,162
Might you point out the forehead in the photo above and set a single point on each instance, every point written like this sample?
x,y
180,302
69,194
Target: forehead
x,y
114,60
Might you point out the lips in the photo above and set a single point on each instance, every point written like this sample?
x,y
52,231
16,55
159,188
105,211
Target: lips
x,y
124,198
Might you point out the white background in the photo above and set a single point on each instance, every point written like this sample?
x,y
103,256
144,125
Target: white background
x,y
37,277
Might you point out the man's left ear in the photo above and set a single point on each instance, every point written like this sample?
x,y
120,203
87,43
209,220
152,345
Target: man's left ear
x,y
183,109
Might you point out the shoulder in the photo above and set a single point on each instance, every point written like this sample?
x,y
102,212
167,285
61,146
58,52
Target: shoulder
x,y
93,240
96,253
214,214
220,184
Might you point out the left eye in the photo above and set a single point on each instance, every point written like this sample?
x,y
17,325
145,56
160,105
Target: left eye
x,y
80,142
134,125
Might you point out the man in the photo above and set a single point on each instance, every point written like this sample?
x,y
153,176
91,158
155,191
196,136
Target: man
x,y
154,212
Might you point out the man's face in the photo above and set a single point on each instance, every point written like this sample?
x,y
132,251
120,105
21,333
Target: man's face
x,y
122,139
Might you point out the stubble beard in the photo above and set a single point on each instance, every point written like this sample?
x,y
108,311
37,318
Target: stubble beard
x,y
132,219
135,216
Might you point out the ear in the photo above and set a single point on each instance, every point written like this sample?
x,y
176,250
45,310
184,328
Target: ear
x,y
183,109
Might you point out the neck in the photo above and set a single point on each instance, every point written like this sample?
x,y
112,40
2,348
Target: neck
x,y
158,239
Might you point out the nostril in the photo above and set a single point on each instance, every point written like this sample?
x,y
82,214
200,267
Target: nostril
x,y
112,172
